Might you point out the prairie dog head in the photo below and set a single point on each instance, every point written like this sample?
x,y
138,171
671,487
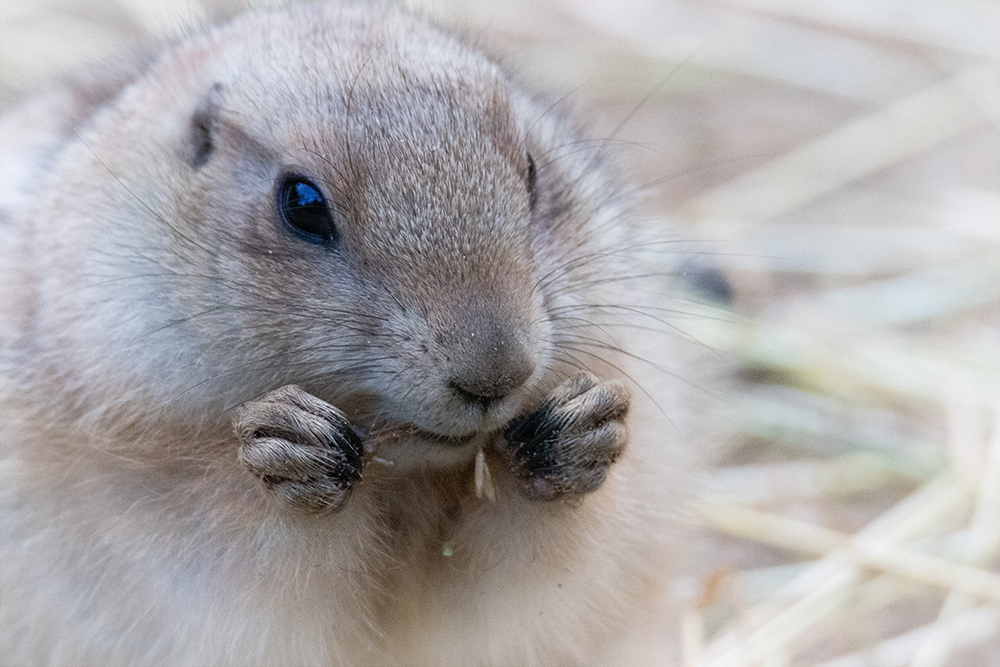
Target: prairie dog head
x,y
346,199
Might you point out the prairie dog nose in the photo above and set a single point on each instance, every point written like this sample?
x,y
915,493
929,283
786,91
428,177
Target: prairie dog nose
x,y
488,358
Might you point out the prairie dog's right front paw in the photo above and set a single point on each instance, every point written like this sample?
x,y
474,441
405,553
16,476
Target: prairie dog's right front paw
x,y
565,447
303,449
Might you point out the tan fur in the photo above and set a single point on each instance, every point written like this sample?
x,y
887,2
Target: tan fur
x,y
143,300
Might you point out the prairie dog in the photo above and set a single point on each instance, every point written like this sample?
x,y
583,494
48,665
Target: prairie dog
x,y
312,354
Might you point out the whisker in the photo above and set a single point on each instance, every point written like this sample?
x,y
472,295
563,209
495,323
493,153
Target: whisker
x,y
632,379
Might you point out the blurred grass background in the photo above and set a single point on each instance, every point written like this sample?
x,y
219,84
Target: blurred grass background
x,y
840,159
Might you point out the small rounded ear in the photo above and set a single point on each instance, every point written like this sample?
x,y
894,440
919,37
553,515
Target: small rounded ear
x,y
201,129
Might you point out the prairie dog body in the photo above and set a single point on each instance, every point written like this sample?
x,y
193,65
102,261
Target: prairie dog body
x,y
265,304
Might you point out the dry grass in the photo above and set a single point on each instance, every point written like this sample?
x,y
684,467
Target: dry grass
x,y
841,159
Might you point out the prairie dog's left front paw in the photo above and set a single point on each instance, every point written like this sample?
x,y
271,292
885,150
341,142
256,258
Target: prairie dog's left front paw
x,y
303,449
566,446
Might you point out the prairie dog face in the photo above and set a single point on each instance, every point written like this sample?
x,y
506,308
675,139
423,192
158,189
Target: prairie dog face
x,y
369,210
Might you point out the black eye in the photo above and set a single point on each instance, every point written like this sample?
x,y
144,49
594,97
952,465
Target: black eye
x,y
531,178
304,209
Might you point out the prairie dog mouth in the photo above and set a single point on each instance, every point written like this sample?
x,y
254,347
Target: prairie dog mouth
x,y
394,433
445,440
405,447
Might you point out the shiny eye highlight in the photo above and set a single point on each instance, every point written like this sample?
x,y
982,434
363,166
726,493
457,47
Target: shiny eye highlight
x,y
304,209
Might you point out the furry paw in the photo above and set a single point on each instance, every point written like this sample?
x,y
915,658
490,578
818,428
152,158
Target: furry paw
x,y
303,449
565,447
